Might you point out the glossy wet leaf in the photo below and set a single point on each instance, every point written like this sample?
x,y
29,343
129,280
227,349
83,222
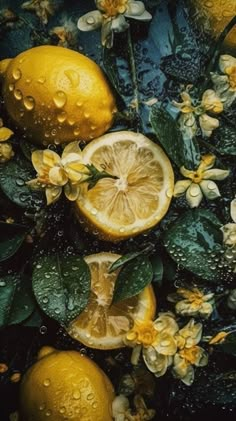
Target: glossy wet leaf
x,y
27,148
157,268
133,278
16,299
11,238
181,151
224,140
229,344
127,258
13,175
62,286
195,242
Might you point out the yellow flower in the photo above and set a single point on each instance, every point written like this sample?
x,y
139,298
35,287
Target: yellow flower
x,y
42,8
200,182
6,152
156,341
110,16
121,410
55,173
218,338
194,302
66,34
189,353
225,84
210,102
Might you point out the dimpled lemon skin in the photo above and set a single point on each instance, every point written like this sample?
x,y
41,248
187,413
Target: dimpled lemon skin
x,y
64,385
215,15
56,95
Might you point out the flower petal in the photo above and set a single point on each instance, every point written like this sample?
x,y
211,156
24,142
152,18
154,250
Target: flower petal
x,y
215,174
229,234
192,332
119,406
181,187
221,84
72,191
155,362
165,344
6,152
107,35
206,310
37,161
208,124
194,195
183,370
90,21
119,24
51,158
211,101
226,61
57,176
201,357
5,134
233,210
185,308
76,171
210,189
52,194
72,147
166,322
34,184
136,10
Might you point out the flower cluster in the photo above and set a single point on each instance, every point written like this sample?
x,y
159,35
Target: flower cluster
x,y
200,182
163,344
210,103
42,8
192,302
6,151
55,173
225,83
110,16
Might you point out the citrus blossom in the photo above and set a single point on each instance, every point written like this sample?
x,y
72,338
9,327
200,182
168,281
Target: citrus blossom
x,y
192,302
225,83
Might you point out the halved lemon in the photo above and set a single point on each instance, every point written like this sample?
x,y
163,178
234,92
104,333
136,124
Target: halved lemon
x,y
138,198
102,325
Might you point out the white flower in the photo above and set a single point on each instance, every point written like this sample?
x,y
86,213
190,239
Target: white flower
x,y
229,230
225,84
200,182
110,17
192,302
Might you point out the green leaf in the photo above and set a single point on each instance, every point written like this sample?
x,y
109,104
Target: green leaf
x,y
182,151
12,236
61,286
16,299
225,140
27,148
13,175
229,344
195,242
133,278
127,258
35,319
157,268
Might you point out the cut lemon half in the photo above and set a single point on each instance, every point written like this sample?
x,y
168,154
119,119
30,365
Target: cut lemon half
x,y
102,325
140,195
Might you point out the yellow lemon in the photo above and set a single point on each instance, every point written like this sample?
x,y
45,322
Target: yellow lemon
x,y
214,15
57,95
64,385
138,198
103,324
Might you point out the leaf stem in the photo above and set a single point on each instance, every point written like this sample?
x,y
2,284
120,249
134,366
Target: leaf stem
x,y
133,72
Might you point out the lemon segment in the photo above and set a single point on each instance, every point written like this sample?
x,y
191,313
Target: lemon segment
x,y
64,385
140,195
56,95
102,324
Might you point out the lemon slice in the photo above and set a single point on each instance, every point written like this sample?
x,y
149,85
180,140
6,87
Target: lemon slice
x,y
102,325
138,199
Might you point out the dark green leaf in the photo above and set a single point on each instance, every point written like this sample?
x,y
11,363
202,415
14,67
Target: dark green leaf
x,y
225,140
181,150
133,278
16,299
229,344
35,319
61,286
195,241
127,258
12,236
157,268
13,175
27,148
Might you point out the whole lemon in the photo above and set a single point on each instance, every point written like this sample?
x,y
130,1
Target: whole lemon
x,y
57,95
64,385
214,15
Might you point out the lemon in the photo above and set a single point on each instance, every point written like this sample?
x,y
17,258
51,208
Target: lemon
x,y
137,200
64,385
57,95
214,15
102,324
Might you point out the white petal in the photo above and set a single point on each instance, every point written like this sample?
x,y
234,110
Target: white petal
x,y
209,189
119,406
119,24
90,21
233,210
52,194
107,35
194,195
226,61
57,176
208,124
181,187
221,83
72,147
215,174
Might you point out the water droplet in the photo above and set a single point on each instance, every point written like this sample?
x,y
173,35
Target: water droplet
x,y
53,132
95,404
18,94
62,410
29,103
194,190
28,80
90,396
43,330
169,193
57,310
94,211
79,104
76,131
71,122
2,283
62,116
48,413
20,182
42,407
59,99
41,80
76,395
11,87
122,230
16,74
87,115
45,300
47,382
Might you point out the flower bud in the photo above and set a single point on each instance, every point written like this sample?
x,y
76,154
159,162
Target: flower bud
x,y
6,152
